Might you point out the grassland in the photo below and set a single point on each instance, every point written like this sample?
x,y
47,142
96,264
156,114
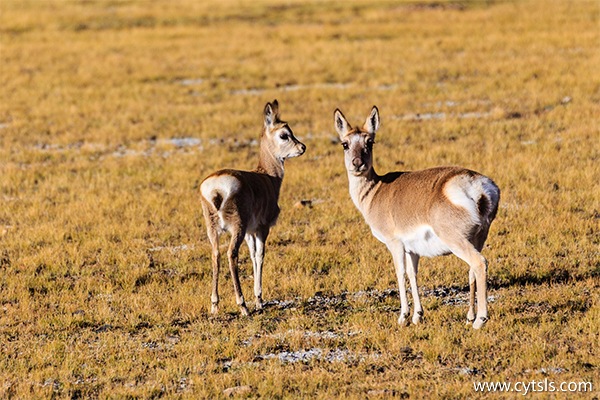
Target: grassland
x,y
112,112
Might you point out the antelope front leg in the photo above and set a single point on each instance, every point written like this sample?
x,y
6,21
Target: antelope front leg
x,y
397,250
261,239
471,312
232,253
412,268
251,242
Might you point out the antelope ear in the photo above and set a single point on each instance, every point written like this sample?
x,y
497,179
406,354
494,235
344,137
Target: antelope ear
x,y
372,123
341,124
271,114
275,105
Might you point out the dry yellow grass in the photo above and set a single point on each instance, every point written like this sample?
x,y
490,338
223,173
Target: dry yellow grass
x,y
104,263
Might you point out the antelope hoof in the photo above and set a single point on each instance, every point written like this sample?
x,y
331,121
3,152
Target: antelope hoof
x,y
470,317
214,308
244,310
479,322
417,317
259,304
403,319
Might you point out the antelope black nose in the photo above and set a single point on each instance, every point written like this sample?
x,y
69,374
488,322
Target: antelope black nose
x,y
357,162
303,147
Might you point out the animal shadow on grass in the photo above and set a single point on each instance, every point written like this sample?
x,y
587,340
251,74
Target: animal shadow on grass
x,y
451,295
555,275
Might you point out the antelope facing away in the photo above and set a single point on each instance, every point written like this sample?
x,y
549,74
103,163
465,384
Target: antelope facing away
x,y
244,203
432,212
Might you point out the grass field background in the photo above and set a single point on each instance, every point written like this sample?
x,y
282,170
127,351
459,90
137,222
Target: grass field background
x,y
112,112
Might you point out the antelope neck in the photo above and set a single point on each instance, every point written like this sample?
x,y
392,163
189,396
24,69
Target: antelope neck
x,y
269,164
362,186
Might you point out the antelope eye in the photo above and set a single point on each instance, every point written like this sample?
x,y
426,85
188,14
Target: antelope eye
x,y
284,136
345,145
370,143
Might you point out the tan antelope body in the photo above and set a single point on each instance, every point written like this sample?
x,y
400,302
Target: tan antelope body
x,y
244,204
432,212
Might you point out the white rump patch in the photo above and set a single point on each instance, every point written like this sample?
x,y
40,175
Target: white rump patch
x,y
423,241
224,185
465,192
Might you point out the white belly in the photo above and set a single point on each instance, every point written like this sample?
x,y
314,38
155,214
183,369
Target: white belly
x,y
424,242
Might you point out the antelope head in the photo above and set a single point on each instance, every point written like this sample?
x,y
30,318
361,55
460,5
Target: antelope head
x,y
278,136
357,142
